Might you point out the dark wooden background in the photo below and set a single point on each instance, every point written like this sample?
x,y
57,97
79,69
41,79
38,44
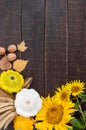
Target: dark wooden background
x,y
55,33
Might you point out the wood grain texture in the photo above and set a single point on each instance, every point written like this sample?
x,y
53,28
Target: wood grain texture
x,y
10,22
33,34
55,44
55,33
77,39
10,25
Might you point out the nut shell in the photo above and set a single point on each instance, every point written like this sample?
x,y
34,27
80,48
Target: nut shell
x,y
11,56
2,51
11,48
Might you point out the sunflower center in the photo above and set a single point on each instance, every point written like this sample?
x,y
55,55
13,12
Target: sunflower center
x,y
75,89
54,114
64,96
12,77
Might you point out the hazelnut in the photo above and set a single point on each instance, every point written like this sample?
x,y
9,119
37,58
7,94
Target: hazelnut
x,y
11,48
2,50
11,56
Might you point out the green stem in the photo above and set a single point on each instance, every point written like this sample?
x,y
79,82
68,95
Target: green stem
x,y
81,111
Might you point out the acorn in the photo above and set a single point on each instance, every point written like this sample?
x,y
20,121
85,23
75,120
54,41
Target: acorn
x,y
11,48
11,56
2,50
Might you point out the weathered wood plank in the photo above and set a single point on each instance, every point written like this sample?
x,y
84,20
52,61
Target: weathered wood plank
x,y
77,39
33,34
10,25
55,44
10,22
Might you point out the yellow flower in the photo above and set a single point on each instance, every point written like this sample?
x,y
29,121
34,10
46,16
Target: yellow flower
x,y
11,81
76,87
62,94
54,115
22,123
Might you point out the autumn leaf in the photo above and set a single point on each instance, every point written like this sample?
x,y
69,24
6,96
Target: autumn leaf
x,y
21,46
19,65
5,64
28,82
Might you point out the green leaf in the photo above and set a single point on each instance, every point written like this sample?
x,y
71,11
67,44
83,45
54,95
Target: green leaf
x,y
75,128
77,123
84,114
83,97
83,100
73,98
76,105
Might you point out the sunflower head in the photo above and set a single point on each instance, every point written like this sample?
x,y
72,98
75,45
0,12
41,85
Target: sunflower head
x,y
76,87
62,94
54,114
11,81
22,123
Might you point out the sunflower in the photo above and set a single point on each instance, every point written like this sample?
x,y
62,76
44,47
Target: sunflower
x,y
54,115
11,81
76,87
22,123
62,94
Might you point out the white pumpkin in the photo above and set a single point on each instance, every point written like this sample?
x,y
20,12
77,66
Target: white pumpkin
x,y
28,102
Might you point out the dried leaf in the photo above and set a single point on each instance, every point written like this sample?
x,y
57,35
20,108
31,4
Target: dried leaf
x,y
28,82
2,115
7,104
6,118
22,47
4,109
5,94
19,65
5,64
9,121
4,99
7,110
